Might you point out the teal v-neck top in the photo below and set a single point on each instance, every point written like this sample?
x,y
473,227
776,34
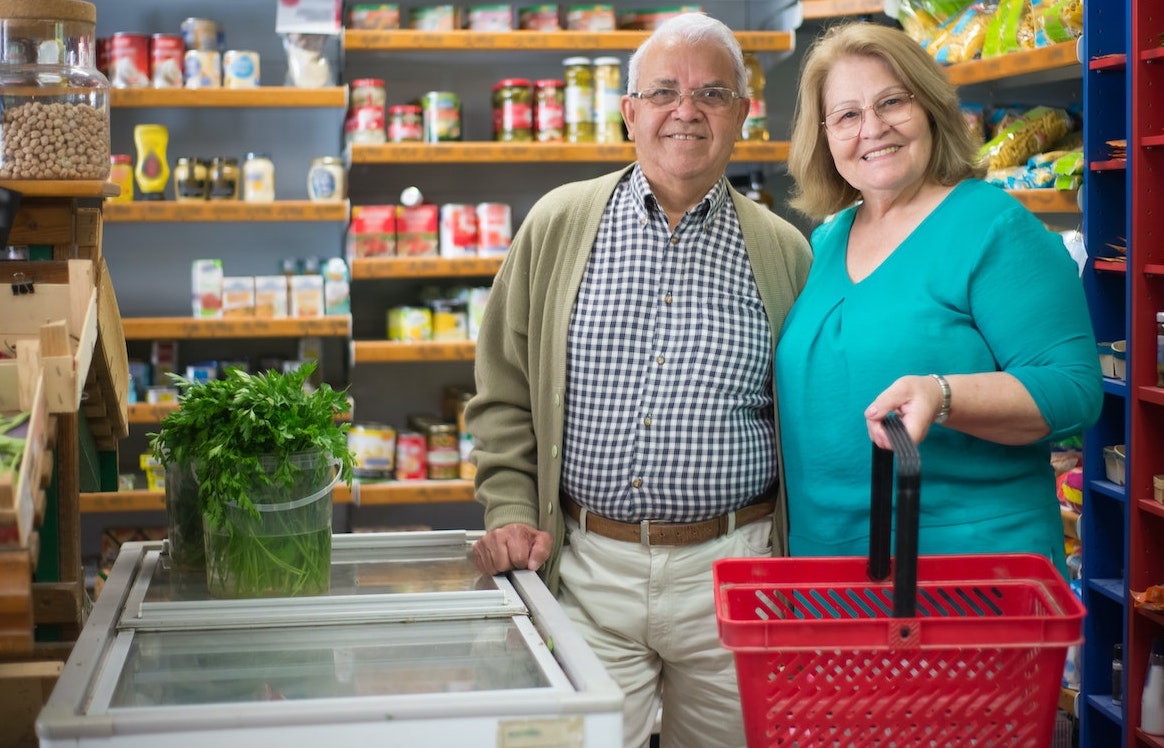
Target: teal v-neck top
x,y
979,286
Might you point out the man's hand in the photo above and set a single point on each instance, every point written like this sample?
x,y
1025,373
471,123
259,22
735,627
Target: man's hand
x,y
510,547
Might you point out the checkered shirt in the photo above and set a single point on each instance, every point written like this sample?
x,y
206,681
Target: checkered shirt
x,y
669,373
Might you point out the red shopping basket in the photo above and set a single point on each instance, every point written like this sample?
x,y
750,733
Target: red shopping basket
x,y
958,651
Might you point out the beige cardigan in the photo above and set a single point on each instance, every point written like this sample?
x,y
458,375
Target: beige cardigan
x,y
517,416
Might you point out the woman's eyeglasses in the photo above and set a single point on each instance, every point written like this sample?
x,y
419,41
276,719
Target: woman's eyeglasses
x,y
894,109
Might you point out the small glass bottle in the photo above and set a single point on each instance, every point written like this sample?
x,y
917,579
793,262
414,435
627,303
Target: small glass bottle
x,y
121,174
258,178
1117,674
579,95
1152,702
756,125
549,111
223,178
190,180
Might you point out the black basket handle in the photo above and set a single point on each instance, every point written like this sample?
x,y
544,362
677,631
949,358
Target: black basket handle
x,y
908,508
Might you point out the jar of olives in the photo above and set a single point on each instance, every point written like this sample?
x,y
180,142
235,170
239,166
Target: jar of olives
x,y
549,111
579,96
513,110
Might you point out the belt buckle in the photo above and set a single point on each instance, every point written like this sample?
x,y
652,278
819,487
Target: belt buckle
x,y
645,532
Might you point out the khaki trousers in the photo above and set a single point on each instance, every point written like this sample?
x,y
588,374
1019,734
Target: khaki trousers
x,y
649,615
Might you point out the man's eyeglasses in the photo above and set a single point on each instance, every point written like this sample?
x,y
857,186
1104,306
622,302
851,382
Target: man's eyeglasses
x,y
708,97
894,109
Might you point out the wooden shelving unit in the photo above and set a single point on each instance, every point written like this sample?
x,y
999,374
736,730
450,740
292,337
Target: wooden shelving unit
x,y
1057,57
205,211
1048,201
333,97
377,268
189,328
401,40
813,9
488,152
390,352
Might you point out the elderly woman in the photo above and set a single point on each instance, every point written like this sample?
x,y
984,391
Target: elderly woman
x,y
932,295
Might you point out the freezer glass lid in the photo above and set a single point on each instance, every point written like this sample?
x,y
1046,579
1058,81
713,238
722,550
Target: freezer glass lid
x,y
216,667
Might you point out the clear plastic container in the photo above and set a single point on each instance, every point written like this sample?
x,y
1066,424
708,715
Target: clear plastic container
x,y
55,122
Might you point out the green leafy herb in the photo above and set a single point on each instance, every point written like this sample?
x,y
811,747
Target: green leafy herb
x,y
11,447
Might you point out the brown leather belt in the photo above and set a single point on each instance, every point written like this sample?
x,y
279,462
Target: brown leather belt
x,y
650,532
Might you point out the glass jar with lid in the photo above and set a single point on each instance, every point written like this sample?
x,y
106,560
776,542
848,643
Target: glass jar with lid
x,y
258,176
223,178
607,100
579,96
513,110
190,180
54,96
327,180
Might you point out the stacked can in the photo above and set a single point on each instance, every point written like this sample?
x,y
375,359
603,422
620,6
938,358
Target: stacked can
x,y
167,54
365,118
203,57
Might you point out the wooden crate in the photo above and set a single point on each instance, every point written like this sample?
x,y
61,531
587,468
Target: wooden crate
x,y
48,321
22,496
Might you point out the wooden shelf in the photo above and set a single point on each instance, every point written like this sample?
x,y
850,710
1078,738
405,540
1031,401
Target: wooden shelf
x,y
390,351
488,152
1055,57
61,187
1048,201
400,40
189,328
373,268
834,8
366,494
160,211
148,413
335,97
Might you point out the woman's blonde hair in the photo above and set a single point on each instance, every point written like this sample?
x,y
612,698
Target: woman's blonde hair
x,y
820,189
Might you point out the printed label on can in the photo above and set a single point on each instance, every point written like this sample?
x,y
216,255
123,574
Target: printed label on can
x,y
166,60
240,69
129,61
203,69
494,229
411,456
458,232
374,445
442,116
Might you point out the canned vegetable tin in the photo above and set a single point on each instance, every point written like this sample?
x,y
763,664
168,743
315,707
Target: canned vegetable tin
x,y
374,445
442,116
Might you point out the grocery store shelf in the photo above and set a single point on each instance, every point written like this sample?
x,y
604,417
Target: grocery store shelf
x,y
367,494
1044,59
145,211
1048,200
189,328
833,8
371,268
335,97
390,351
61,187
148,413
492,152
398,40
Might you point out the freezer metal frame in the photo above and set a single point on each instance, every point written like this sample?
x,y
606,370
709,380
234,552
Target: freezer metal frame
x,y
573,704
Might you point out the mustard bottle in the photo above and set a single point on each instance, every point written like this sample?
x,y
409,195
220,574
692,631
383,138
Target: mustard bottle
x,y
152,171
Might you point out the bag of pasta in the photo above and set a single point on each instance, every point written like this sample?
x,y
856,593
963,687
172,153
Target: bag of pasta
x,y
960,38
1002,32
1032,133
916,21
1058,21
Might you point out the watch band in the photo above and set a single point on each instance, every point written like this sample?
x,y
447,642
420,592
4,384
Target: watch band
x,y
944,413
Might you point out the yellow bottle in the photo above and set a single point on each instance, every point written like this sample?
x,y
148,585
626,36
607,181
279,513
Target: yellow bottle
x,y
152,171
756,125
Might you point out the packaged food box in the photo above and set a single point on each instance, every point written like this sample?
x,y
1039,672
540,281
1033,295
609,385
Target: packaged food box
x,y
271,296
496,17
307,296
542,17
369,16
590,17
372,232
206,282
416,230
336,288
435,18
238,296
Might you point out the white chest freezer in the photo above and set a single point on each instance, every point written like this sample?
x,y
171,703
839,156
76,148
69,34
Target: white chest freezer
x,y
412,647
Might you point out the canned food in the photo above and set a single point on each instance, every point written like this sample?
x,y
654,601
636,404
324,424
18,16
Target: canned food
x,y
411,456
441,112
409,323
494,228
497,17
121,174
258,176
202,34
458,230
203,69
191,179
129,60
450,320
592,17
465,439
405,123
374,446
512,111
542,17
549,111
223,178
607,100
240,69
166,60
364,125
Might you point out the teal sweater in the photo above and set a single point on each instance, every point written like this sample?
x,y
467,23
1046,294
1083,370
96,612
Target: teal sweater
x,y
979,286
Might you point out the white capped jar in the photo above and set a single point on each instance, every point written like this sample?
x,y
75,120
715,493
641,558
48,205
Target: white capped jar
x,y
258,178
327,180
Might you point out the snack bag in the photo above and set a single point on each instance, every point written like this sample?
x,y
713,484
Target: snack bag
x,y
960,38
1003,28
916,21
1033,133
1058,21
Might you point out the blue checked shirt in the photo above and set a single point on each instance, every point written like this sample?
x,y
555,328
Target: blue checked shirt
x,y
669,372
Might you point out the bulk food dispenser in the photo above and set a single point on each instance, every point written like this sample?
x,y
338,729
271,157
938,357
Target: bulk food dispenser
x,y
55,103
